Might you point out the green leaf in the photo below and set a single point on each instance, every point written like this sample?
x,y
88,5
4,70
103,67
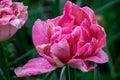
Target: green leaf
x,y
51,76
3,64
48,75
22,57
2,76
96,74
110,64
106,6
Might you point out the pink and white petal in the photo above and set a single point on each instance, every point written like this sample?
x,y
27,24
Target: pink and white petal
x,y
33,67
74,13
49,58
67,18
100,57
40,32
56,34
84,38
81,65
78,13
91,14
84,51
6,32
98,32
61,50
54,21
6,15
85,24
73,38
6,2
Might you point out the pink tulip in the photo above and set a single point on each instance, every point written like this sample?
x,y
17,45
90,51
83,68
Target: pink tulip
x,y
74,39
12,17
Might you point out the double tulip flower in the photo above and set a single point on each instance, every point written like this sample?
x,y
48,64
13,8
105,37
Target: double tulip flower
x,y
74,38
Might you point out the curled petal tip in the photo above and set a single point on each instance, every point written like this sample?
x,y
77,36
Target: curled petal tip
x,y
101,57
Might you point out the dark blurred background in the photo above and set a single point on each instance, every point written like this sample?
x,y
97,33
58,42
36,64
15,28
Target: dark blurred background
x,y
19,49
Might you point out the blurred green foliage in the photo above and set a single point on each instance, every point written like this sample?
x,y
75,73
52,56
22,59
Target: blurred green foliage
x,y
19,49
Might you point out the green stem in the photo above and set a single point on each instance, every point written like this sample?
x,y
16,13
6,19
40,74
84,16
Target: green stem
x,y
68,72
71,73
3,63
62,77
96,74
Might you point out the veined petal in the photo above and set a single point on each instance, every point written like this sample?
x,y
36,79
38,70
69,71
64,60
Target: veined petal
x,y
100,57
78,13
6,32
57,61
34,66
55,21
40,32
84,38
67,17
90,14
41,48
84,51
85,24
7,0
81,65
98,32
61,50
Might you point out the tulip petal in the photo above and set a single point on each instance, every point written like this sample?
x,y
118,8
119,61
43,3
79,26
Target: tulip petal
x,y
81,65
61,50
40,33
54,20
4,20
90,14
33,67
67,17
78,13
100,57
6,32
73,15
84,51
98,32
6,0
84,37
